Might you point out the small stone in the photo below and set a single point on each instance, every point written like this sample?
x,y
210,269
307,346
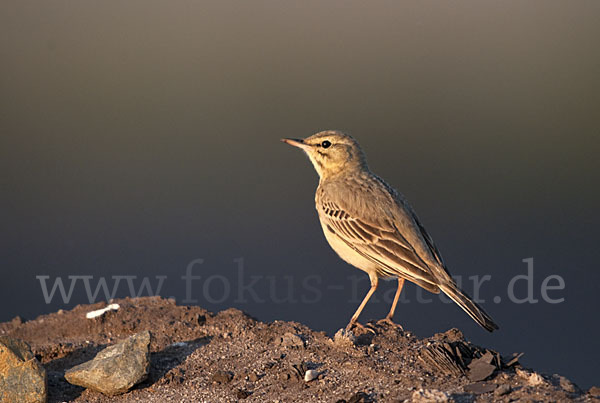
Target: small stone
x,y
222,377
100,312
310,375
430,396
292,340
253,377
594,391
479,388
503,389
22,377
481,368
117,368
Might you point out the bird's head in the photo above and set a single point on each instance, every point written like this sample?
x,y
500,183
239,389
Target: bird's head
x,y
331,152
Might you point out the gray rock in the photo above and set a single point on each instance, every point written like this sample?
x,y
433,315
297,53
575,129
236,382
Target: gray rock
x,y
481,368
117,368
310,375
22,377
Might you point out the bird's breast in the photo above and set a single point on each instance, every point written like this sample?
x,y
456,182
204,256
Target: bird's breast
x,y
344,251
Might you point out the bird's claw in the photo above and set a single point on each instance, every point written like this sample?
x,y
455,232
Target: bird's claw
x,y
390,322
360,326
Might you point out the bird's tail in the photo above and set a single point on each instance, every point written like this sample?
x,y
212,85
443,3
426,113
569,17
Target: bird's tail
x,y
469,306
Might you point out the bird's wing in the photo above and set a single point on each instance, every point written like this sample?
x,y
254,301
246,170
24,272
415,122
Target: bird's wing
x,y
377,237
432,249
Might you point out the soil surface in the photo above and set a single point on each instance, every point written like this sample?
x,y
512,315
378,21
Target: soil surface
x,y
225,357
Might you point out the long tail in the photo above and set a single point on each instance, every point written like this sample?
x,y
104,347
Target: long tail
x,y
470,307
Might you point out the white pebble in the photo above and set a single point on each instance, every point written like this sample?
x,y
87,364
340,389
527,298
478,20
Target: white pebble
x,y
310,375
100,312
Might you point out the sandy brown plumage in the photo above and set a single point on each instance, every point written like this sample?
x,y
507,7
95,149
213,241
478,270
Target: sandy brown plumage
x,y
372,227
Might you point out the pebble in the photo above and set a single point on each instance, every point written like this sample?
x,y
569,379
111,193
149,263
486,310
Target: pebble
x,y
100,312
117,368
310,375
22,377
481,368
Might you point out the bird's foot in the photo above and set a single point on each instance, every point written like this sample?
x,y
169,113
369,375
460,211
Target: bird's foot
x,y
352,325
389,322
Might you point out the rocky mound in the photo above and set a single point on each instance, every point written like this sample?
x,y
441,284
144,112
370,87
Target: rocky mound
x,y
199,356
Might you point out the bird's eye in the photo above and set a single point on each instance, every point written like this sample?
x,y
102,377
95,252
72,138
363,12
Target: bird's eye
x,y
325,144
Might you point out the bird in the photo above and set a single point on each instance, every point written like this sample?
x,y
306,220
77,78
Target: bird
x,y
372,227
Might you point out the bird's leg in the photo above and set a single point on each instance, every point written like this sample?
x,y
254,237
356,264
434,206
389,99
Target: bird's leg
x,y
389,318
353,320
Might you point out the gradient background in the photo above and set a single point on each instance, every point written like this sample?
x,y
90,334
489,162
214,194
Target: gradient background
x,y
137,136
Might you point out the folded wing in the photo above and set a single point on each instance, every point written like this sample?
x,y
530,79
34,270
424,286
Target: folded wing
x,y
381,243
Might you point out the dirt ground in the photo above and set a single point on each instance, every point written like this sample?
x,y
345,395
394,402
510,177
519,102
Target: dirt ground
x,y
225,357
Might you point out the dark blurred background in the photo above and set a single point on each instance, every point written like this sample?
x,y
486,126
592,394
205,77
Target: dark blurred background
x,y
138,136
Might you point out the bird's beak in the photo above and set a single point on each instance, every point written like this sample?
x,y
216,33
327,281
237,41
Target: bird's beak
x,y
297,143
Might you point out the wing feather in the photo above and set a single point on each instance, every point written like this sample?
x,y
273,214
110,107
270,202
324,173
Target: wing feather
x,y
383,245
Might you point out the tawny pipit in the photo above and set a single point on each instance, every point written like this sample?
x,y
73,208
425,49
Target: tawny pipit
x,y
372,227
